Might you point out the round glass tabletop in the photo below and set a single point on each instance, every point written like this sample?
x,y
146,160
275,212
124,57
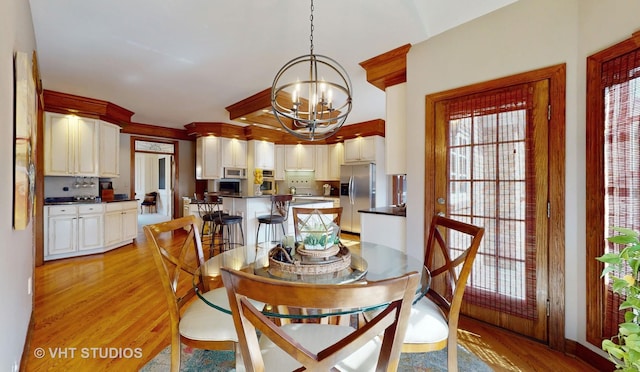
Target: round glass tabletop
x,y
369,262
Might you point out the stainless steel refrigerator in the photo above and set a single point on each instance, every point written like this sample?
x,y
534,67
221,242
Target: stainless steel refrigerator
x,y
357,191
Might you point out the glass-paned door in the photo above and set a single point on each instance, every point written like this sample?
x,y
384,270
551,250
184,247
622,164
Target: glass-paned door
x,y
491,171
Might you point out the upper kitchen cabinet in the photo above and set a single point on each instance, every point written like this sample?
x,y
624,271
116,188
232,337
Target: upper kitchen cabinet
x,y
336,159
208,166
329,158
364,149
109,150
233,153
263,154
322,162
279,169
299,157
70,145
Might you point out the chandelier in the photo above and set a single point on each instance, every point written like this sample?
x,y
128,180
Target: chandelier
x,y
311,95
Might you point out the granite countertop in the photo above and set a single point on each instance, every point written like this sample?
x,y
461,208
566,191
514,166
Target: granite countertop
x,y
390,211
297,200
72,200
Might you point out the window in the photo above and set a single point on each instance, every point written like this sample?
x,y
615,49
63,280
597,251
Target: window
x,y
613,170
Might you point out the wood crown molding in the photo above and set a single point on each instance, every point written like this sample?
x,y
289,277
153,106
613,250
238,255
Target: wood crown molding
x,y
64,103
253,132
70,104
387,69
151,130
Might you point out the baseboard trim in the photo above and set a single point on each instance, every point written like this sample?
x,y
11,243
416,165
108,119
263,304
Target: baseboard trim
x,y
588,356
27,344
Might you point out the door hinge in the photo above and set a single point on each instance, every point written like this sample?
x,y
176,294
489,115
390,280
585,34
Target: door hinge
x,y
548,308
549,112
548,209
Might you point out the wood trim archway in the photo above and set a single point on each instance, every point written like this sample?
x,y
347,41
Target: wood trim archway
x,y
176,181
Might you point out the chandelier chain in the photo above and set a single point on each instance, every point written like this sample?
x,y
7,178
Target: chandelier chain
x,y
311,35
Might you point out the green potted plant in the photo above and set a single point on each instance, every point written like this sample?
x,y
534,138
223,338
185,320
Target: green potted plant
x,y
626,352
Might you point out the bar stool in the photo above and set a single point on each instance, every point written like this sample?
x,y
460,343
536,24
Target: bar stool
x,y
225,226
278,216
206,211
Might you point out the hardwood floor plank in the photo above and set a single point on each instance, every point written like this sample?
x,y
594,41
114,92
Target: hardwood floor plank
x,y
114,300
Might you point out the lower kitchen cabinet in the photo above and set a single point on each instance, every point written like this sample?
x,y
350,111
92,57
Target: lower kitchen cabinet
x,y
81,229
120,223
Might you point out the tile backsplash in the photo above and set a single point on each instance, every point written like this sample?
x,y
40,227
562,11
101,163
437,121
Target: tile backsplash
x,y
56,187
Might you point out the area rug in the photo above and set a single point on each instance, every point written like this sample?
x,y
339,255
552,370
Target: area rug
x,y
197,360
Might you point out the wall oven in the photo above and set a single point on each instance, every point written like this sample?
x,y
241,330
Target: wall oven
x,y
268,182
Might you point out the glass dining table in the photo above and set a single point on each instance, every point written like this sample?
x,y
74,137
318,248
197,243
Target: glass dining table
x,y
369,262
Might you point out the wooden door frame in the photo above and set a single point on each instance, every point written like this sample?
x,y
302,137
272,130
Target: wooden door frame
x,y
556,234
132,169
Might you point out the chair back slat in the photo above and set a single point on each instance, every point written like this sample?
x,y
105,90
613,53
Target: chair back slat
x,y
391,323
280,204
177,252
451,265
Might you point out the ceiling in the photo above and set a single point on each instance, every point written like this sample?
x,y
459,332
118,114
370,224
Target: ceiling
x,y
174,62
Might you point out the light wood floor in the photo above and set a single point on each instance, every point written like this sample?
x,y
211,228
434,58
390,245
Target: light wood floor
x,y
107,313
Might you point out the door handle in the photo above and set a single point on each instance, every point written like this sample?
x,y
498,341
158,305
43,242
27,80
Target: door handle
x,y
440,200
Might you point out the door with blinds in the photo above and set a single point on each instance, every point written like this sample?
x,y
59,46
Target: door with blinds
x,y
491,155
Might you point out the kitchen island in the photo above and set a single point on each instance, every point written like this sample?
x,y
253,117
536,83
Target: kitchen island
x,y
252,206
384,225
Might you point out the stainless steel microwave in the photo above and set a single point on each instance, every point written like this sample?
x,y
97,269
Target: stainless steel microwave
x,y
235,173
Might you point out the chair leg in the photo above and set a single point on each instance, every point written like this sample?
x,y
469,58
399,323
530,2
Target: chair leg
x,y
452,354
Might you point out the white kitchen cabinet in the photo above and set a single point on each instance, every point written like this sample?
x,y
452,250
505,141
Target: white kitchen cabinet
x,y
329,158
62,228
322,162
263,154
336,159
81,229
71,229
109,150
120,223
364,149
279,166
129,221
233,153
208,164
299,157
70,145
90,227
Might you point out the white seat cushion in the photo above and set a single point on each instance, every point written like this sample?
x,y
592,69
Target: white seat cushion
x,y
316,337
202,322
427,323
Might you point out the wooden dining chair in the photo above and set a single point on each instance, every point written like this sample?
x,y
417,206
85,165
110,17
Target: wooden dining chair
x,y
177,253
319,347
150,201
450,252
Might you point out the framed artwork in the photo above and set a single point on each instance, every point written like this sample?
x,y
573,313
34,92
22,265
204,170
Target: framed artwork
x,y
25,111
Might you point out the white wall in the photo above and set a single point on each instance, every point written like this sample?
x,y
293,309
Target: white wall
x,y
526,35
16,250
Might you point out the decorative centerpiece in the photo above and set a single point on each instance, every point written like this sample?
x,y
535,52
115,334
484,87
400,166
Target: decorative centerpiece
x,y
257,180
317,249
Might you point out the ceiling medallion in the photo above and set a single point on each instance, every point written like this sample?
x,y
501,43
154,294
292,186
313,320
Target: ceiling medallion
x,y
315,106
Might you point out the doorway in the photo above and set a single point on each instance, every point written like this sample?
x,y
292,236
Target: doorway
x,y
488,163
154,169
